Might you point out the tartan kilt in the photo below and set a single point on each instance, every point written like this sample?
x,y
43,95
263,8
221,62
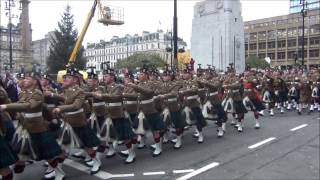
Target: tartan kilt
x,y
155,122
10,130
258,105
282,96
7,156
123,129
177,120
135,123
87,137
200,121
45,146
239,107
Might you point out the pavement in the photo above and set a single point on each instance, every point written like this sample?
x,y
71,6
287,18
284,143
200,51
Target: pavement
x,y
285,147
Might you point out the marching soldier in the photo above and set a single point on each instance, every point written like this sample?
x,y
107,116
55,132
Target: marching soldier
x,y
281,91
172,112
44,145
75,117
115,111
305,92
190,98
268,92
213,100
252,100
148,110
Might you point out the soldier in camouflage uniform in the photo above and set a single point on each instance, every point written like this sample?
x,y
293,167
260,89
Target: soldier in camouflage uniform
x,y
191,102
75,117
115,111
43,144
172,113
148,112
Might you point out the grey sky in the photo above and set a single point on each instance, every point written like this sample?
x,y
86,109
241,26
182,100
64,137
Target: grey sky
x,y
138,16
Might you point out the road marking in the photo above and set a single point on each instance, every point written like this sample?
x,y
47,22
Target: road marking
x,y
299,127
83,168
182,171
261,143
122,175
154,173
199,171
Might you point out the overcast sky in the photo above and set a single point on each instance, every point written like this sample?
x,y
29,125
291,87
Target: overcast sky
x,y
146,15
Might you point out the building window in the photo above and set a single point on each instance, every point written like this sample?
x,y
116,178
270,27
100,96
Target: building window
x,y
282,33
300,53
305,41
281,55
281,44
271,55
291,54
261,55
314,40
292,43
253,35
271,34
271,45
314,53
246,47
262,45
253,46
262,35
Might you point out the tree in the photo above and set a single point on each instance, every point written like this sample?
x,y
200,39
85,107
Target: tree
x,y
62,44
139,59
256,62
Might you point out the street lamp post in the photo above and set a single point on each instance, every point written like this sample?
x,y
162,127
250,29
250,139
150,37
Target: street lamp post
x,y
175,35
9,5
304,4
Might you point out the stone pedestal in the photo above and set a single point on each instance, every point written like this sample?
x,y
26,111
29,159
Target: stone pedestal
x,y
218,35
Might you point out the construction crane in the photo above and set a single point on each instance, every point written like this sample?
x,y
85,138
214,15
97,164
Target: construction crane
x,y
107,15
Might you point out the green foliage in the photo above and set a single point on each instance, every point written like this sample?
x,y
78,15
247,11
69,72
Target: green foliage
x,y
256,62
139,59
62,44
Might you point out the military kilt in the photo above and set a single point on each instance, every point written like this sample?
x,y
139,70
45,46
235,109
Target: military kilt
x,y
239,107
281,96
258,104
45,146
87,137
177,120
7,156
123,129
10,130
155,123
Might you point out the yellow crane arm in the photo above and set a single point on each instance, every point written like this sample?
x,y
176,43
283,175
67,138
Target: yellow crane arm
x,y
77,47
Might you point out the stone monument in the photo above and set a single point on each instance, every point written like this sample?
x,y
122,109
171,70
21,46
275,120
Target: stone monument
x,y
218,35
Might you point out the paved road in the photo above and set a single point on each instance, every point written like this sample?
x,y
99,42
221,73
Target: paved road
x,y
286,147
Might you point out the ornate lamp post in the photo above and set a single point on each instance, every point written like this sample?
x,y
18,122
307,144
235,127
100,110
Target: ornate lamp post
x,y
9,5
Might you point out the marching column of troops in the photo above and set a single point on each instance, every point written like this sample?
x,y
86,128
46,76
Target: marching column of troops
x,y
95,117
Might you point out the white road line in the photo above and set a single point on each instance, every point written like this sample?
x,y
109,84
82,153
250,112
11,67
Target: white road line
x,y
199,171
154,173
182,171
299,127
122,175
83,168
261,143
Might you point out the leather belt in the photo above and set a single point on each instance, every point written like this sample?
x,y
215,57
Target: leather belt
x,y
130,102
172,100
214,93
146,101
33,115
51,105
75,112
192,97
247,90
98,104
234,91
117,104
